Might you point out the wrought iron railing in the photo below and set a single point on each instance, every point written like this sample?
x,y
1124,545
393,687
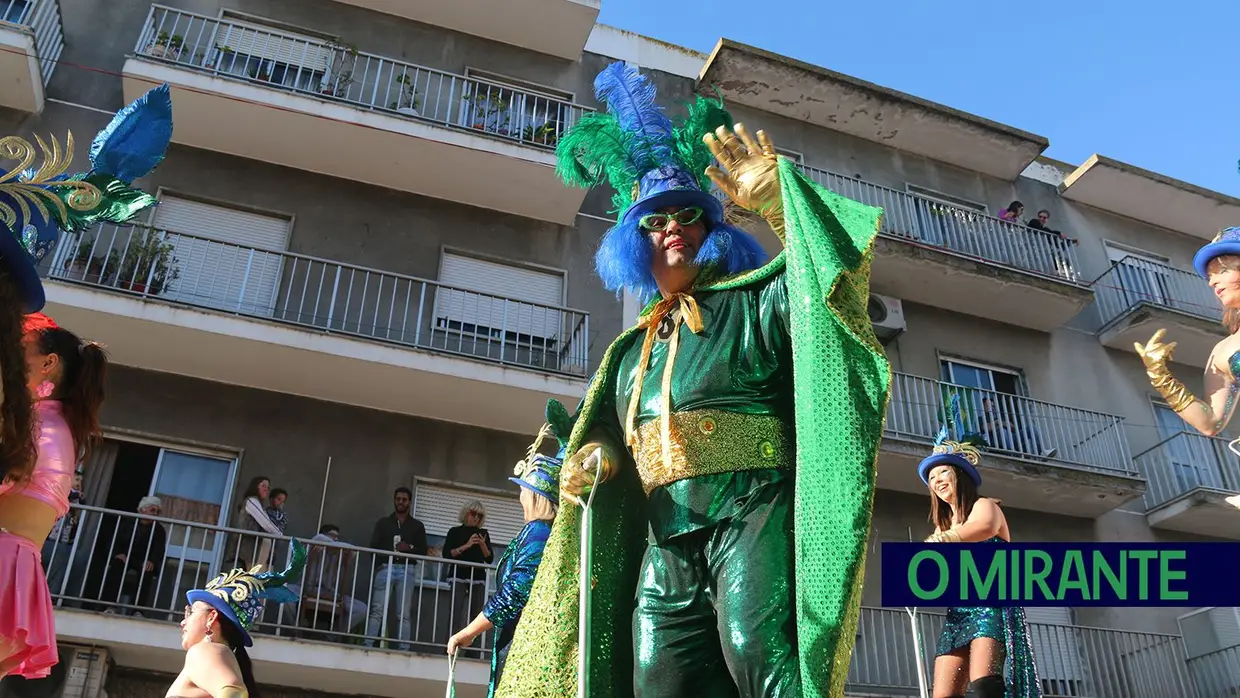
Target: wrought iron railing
x,y
336,71
43,18
1012,425
1185,462
1133,281
967,232
1217,674
325,295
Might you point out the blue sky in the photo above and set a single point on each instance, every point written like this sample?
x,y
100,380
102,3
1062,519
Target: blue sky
x,y
1158,87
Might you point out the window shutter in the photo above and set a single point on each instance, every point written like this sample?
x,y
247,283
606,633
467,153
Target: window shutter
x,y
291,50
1056,647
509,307
438,507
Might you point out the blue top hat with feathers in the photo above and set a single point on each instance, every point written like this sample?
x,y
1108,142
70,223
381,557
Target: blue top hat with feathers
x,y
651,163
1226,242
964,453
36,204
540,473
238,595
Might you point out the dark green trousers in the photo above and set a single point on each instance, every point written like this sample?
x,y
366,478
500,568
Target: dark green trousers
x,y
716,613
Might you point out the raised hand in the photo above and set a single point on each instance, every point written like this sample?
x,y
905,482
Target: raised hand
x,y
750,174
1155,353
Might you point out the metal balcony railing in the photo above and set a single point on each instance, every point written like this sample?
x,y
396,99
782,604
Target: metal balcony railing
x,y
1186,462
1073,661
335,71
971,233
132,564
43,18
1013,426
1133,281
326,295
1217,674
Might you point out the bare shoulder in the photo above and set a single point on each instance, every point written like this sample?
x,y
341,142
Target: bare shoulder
x,y
209,654
987,505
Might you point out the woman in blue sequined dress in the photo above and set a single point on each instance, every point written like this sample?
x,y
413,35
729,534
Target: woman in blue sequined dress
x,y
1219,264
539,478
977,645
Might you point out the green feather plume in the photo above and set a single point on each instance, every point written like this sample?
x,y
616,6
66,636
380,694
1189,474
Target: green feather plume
x,y
705,115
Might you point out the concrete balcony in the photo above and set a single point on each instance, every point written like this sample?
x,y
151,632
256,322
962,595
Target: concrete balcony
x,y
31,40
327,108
1040,455
780,85
555,27
187,305
1136,297
1194,485
966,261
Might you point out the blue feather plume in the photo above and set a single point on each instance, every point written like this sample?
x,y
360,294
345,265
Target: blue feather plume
x,y
954,419
136,140
630,97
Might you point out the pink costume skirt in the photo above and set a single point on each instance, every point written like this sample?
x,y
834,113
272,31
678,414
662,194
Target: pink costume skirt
x,y
26,614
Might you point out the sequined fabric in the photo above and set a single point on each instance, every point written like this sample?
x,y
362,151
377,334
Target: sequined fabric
x,y
514,576
706,442
1008,626
840,381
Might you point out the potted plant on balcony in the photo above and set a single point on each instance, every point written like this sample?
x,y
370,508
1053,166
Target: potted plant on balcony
x,y
165,46
491,113
541,135
221,57
338,79
407,101
96,269
149,264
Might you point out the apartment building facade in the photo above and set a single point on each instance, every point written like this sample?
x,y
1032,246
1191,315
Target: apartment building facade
x,y
363,274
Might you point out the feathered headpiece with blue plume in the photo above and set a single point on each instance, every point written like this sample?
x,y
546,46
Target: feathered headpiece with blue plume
x,y
651,164
36,203
238,595
964,451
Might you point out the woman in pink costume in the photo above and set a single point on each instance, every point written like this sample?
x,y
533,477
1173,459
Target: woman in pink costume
x,y
66,379
40,363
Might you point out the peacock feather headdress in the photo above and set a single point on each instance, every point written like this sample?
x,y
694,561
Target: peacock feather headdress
x,y
955,446
540,472
239,594
650,163
37,203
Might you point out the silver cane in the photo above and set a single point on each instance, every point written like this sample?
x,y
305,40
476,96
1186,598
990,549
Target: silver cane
x,y
921,663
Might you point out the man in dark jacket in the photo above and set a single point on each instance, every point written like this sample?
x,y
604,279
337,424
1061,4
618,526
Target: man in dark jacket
x,y
394,581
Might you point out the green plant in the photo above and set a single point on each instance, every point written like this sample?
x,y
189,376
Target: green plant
x,y
82,266
408,97
542,135
491,111
149,264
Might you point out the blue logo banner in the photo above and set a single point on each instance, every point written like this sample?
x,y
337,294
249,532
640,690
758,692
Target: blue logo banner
x,y
1060,574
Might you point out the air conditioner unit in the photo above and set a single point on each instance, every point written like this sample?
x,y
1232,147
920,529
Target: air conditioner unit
x,y
887,316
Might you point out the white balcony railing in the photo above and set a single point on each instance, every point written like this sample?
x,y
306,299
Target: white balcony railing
x,y
43,18
971,233
325,295
1217,674
346,598
335,71
1186,462
1133,281
1014,426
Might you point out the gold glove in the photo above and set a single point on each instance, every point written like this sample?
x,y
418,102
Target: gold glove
x,y
751,178
592,463
234,692
948,536
1155,354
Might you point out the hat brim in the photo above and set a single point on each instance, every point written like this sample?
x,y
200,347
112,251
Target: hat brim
x,y
1201,260
554,497
711,206
958,461
223,608
22,268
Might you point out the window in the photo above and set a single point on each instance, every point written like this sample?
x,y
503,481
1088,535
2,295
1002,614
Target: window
x,y
14,11
438,506
1057,648
1192,461
509,107
946,199
1141,277
251,50
991,405
232,260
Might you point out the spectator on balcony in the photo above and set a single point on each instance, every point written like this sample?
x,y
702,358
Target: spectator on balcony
x,y
329,569
469,542
1013,212
1003,432
394,581
275,509
134,557
251,515
59,543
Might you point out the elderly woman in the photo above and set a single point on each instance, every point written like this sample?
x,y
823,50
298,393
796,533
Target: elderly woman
x,y
135,556
469,542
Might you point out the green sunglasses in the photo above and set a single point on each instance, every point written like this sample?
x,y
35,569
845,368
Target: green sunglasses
x,y
658,221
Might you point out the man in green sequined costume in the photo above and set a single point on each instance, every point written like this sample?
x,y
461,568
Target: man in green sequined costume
x,y
738,423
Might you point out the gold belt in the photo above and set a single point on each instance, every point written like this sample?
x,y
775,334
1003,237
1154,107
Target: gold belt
x,y
708,442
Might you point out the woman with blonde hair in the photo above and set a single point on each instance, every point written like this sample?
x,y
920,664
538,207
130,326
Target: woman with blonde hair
x,y
469,542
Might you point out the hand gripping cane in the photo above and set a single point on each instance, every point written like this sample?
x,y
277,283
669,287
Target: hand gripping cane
x,y
583,601
451,691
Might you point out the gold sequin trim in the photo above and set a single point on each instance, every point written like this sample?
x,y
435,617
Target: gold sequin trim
x,y
708,442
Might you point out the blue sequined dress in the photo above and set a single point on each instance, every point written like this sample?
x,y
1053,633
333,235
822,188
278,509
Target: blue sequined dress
x,y
515,576
1009,627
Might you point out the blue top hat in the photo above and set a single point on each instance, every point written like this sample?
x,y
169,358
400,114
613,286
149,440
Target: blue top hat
x,y
238,595
670,185
963,455
1226,242
540,473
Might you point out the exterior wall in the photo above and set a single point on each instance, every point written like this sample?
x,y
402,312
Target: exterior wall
x,y
289,439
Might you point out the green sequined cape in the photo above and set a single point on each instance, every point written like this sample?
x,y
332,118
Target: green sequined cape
x,y
841,380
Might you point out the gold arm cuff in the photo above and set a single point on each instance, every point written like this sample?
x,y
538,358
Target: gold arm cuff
x,y
1172,390
234,692
708,442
